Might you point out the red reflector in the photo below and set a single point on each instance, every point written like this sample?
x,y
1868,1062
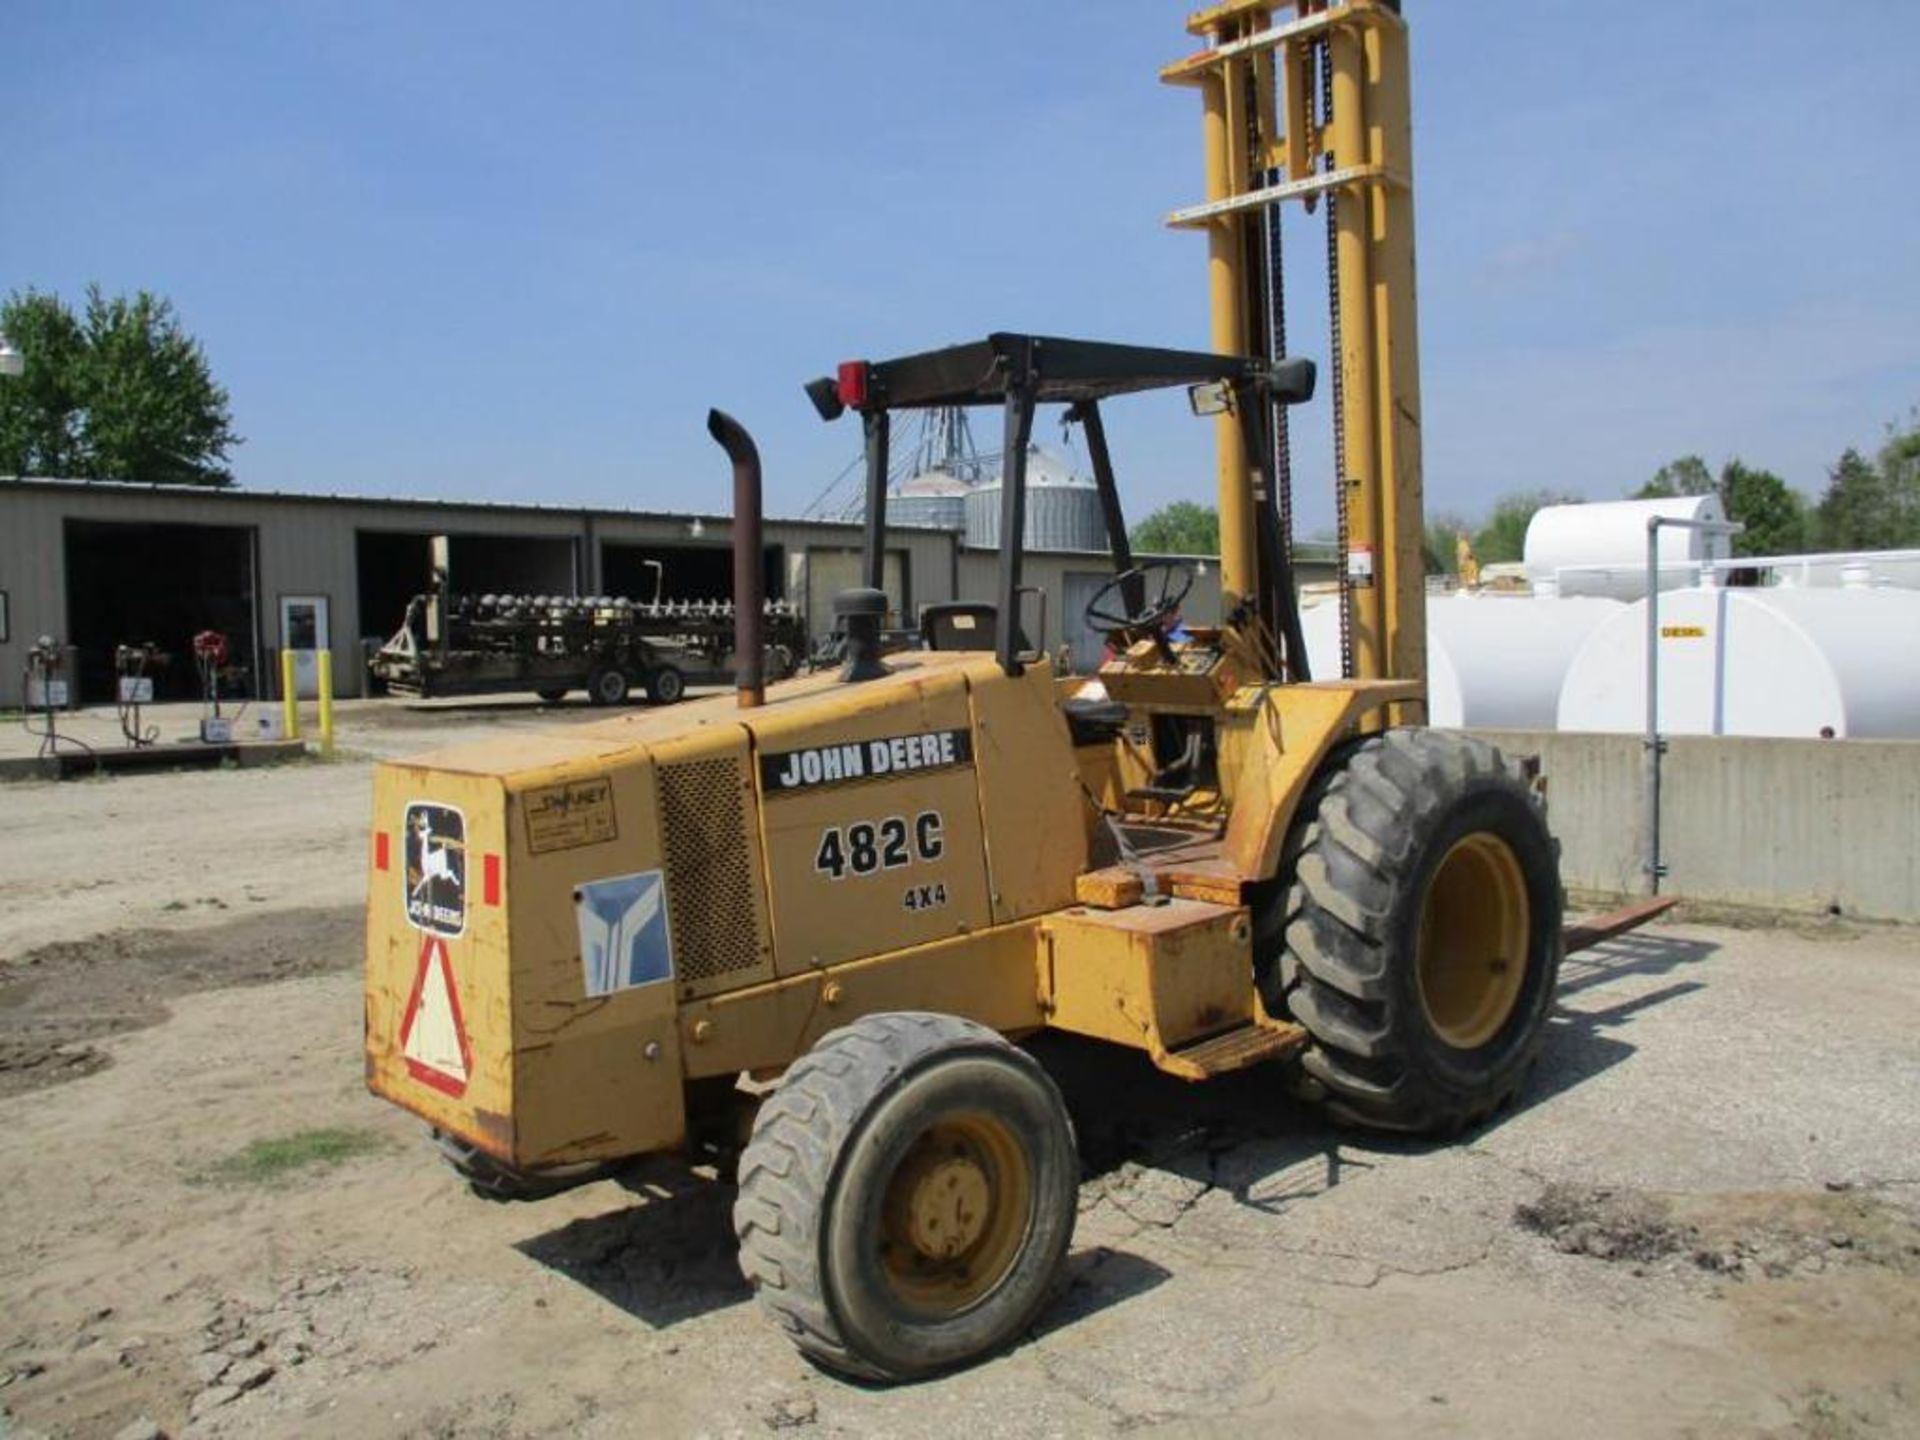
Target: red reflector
x,y
381,860
853,384
490,880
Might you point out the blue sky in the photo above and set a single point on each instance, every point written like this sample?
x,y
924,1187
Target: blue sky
x,y
514,252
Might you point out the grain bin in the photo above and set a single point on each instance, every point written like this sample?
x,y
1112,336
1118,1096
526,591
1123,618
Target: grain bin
x,y
1613,534
1778,661
1492,660
935,498
1063,510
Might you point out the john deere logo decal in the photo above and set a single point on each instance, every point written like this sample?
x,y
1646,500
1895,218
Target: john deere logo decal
x,y
436,869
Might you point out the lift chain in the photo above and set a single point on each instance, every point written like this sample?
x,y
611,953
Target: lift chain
x,y
1277,349
1342,520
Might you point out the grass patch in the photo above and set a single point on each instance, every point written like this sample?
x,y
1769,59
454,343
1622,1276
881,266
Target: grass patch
x,y
266,1161
339,755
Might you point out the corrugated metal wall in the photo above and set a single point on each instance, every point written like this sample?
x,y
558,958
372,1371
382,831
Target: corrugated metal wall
x,y
306,546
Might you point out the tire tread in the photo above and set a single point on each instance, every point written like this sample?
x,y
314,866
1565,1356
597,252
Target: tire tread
x,y
1343,881
797,1138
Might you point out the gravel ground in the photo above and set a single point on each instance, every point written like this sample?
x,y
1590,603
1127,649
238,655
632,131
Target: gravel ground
x,y
1701,1221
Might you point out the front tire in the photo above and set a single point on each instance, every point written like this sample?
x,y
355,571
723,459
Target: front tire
x,y
1417,934
907,1197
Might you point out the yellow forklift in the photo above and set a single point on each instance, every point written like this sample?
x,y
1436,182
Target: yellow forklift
x,y
838,904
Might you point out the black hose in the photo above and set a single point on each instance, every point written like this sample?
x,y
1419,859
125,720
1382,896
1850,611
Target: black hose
x,y
50,738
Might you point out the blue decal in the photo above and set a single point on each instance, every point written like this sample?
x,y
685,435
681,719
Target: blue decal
x,y
623,932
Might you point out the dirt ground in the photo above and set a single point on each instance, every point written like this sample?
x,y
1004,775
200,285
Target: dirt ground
x,y
1704,1219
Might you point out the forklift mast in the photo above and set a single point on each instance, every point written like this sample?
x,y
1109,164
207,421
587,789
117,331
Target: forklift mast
x,y
1308,101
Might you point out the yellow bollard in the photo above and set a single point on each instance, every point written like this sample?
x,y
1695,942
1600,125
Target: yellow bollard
x,y
326,702
289,699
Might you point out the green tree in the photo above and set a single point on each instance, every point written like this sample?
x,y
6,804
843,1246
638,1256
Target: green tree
x,y
1182,528
119,393
1773,511
1899,465
1440,546
41,408
1858,510
1503,538
1686,476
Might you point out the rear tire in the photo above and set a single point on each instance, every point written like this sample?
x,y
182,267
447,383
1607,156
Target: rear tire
x,y
665,684
907,1197
1415,931
608,685
551,697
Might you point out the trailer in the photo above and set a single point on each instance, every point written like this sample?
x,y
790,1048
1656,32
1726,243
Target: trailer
x,y
608,646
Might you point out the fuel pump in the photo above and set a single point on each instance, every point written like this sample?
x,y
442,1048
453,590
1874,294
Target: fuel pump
x,y
133,667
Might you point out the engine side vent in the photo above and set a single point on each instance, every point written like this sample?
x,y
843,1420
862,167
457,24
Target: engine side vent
x,y
711,898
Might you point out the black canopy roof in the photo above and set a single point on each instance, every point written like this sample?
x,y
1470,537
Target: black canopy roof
x,y
1021,371
1058,370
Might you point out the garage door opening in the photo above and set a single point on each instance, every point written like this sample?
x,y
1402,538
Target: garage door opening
x,y
693,572
513,565
390,568
393,566
134,584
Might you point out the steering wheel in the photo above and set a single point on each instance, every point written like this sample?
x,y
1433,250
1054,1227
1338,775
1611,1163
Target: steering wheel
x,y
1142,599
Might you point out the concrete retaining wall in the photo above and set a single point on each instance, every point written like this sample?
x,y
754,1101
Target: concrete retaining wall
x,y
1823,826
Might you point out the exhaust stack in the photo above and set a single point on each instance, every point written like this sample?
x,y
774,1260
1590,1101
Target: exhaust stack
x,y
749,559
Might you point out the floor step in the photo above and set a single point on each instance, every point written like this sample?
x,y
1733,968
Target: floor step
x,y
1233,1049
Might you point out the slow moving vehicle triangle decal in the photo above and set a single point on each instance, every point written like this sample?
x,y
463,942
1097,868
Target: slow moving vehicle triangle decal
x,y
433,1035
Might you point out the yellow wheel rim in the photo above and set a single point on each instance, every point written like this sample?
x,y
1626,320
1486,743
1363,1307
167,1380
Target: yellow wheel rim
x,y
955,1213
1474,925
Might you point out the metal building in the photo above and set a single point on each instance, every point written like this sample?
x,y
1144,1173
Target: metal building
x,y
97,564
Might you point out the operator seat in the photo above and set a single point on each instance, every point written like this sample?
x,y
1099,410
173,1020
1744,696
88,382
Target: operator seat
x,y
969,625
963,625
1093,721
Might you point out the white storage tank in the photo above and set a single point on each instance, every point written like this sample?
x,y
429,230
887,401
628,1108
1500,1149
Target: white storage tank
x,y
1868,567
1777,661
1613,534
1492,660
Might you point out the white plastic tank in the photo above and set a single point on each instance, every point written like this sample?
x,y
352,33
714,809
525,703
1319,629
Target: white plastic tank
x,y
1866,567
1613,534
1776,661
1492,660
